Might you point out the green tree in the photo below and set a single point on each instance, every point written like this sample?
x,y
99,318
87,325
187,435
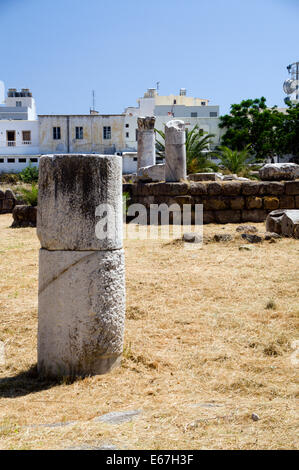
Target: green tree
x,y
29,174
234,160
290,132
197,149
251,124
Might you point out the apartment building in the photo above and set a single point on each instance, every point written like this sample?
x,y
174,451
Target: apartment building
x,y
19,136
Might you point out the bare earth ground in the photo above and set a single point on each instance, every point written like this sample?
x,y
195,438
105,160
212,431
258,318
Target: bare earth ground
x,y
202,351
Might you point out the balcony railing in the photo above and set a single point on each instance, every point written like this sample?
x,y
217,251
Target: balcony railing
x,y
14,143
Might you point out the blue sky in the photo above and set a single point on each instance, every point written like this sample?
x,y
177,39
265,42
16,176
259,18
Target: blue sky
x,y
223,50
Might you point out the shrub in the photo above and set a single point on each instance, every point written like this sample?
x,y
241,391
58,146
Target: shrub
x,y
30,195
9,178
29,174
233,160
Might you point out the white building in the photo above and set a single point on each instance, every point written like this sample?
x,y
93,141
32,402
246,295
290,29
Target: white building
x,y
19,136
24,136
165,108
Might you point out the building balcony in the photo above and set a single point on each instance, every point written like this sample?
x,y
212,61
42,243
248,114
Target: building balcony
x,y
14,143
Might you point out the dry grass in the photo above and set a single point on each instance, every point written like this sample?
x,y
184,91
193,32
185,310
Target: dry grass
x,y
210,327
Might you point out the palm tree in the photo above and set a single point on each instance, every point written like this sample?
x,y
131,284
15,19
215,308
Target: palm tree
x,y
234,160
197,146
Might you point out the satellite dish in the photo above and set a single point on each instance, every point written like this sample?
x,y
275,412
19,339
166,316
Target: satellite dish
x,y
1,92
289,86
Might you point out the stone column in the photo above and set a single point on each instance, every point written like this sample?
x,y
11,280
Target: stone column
x,y
81,303
146,153
175,151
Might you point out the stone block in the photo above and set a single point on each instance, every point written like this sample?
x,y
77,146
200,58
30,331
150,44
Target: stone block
x,y
169,189
8,205
287,202
279,171
204,177
271,203
251,188
254,215
71,187
216,204
254,202
198,189
24,216
228,217
152,172
9,194
81,312
232,188
181,200
237,203
214,189
272,188
292,188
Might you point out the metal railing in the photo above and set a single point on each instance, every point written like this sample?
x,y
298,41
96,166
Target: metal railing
x,y
11,143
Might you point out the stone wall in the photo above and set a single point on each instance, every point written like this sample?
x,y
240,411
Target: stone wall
x,y
7,201
223,202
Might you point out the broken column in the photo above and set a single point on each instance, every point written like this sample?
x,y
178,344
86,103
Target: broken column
x,y
81,304
146,153
175,151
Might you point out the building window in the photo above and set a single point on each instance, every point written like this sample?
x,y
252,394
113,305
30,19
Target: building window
x,y
18,104
213,114
22,160
10,160
106,132
1,160
174,101
56,133
79,133
33,160
203,103
134,159
193,114
127,135
26,135
11,138
136,134
127,125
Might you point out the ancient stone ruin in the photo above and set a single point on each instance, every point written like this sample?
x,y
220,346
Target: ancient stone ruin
x,y
175,151
81,272
283,222
7,201
146,152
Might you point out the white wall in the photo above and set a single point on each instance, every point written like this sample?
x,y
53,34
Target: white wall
x,y
18,127
93,140
14,164
129,163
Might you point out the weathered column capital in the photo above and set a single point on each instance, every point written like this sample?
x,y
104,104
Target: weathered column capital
x,y
146,123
